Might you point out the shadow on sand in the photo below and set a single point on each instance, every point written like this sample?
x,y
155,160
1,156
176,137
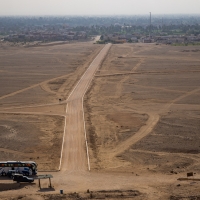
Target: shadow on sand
x,y
46,189
13,186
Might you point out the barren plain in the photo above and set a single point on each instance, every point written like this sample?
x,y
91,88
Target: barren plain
x,y
142,115
35,82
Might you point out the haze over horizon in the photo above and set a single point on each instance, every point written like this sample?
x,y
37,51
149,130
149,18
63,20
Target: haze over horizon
x,y
96,7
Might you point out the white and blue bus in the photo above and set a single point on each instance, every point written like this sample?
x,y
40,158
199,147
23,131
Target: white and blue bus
x,y
23,167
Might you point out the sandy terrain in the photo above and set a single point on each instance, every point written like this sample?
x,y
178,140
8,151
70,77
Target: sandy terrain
x,y
32,82
143,111
142,115
154,89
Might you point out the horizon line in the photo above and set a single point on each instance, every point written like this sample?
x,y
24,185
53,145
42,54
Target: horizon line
x,y
103,15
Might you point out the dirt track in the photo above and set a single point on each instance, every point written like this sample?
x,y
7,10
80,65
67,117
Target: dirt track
x,y
75,150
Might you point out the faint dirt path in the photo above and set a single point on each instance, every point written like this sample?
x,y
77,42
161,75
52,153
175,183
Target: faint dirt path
x,y
150,124
195,157
97,38
144,131
30,87
181,97
153,117
138,64
32,113
120,84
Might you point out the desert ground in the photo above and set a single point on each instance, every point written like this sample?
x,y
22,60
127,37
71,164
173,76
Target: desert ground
x,y
142,119
34,83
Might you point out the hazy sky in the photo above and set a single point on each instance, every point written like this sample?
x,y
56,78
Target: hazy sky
x,y
98,7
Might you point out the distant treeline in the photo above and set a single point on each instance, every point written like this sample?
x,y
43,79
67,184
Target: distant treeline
x,y
74,21
99,25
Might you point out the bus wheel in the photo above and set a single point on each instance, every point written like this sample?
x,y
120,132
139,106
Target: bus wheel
x,y
3,173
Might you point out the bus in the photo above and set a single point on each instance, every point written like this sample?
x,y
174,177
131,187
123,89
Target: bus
x,y
26,168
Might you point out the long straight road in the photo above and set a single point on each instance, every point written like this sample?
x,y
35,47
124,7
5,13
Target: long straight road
x,y
74,155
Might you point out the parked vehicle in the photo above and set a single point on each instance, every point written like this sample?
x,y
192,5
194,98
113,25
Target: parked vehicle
x,y
11,173
26,168
20,178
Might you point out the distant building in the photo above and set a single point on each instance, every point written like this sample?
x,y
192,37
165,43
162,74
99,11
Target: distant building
x,y
147,40
134,39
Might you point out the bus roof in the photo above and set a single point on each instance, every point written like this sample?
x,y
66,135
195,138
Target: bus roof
x,y
18,162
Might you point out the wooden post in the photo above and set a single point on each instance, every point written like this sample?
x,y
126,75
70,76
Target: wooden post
x,y
50,183
39,183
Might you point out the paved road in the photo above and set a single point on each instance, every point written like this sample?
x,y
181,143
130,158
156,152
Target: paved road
x,y
74,155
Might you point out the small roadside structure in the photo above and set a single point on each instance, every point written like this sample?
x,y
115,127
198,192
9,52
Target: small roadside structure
x,y
46,176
